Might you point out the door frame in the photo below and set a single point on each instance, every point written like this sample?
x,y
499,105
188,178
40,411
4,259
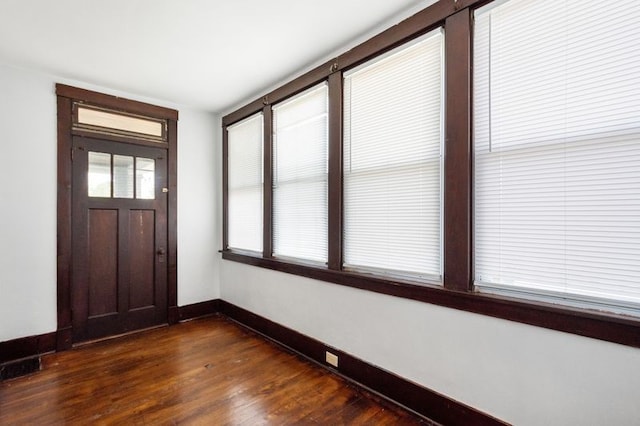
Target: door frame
x,y
67,96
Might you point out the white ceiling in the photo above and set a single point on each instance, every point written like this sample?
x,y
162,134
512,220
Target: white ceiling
x,y
208,54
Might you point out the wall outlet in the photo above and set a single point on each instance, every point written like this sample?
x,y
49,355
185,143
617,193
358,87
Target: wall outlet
x,y
331,358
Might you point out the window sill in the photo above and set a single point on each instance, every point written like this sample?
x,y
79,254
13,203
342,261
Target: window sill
x,y
598,325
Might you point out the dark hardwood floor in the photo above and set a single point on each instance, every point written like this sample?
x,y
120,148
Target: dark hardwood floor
x,y
208,371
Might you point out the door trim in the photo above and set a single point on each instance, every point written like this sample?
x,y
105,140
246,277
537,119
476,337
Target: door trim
x,y
66,97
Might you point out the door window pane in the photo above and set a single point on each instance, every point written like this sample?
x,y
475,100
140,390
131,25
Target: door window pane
x,y
99,176
145,178
122,176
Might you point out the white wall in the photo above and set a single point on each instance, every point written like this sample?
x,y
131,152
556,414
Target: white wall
x,y
28,157
519,373
199,224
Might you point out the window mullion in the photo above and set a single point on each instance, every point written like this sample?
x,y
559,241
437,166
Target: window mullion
x,y
267,205
335,170
457,162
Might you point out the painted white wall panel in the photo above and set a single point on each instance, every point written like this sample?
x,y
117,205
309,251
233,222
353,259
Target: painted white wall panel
x,y
28,158
198,224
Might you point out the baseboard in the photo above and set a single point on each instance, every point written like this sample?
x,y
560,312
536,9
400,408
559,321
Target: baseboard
x,y
26,347
423,401
197,310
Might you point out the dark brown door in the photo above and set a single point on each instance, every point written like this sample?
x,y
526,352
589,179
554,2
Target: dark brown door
x,y
119,226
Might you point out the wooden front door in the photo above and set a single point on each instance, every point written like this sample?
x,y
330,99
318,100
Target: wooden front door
x,y
119,237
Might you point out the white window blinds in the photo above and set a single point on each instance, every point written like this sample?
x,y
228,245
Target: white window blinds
x,y
300,137
392,161
244,145
557,150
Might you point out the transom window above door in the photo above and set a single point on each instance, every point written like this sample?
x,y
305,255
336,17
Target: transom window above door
x,y
121,176
94,119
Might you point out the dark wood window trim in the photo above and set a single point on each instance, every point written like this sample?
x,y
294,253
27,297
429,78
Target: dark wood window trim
x,y
267,190
334,260
457,167
66,97
457,292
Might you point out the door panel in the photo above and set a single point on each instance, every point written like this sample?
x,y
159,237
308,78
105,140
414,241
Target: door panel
x,y
103,262
142,258
119,271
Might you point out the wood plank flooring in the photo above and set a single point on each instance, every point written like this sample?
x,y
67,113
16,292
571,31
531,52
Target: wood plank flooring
x,y
208,371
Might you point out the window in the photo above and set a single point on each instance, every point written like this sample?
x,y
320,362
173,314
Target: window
x,y
300,176
557,151
245,184
392,161
99,120
483,156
